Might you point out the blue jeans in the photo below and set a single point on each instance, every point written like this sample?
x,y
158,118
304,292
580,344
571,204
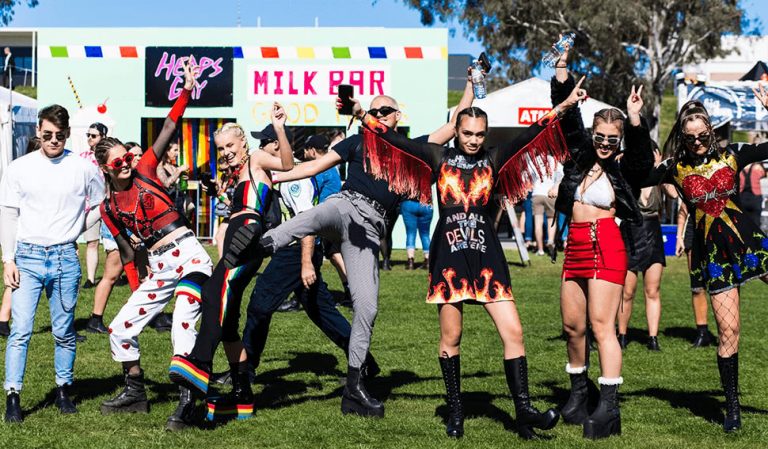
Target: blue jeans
x,y
281,277
528,208
416,216
57,270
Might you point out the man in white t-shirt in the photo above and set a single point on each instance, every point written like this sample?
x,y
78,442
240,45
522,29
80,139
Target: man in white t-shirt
x,y
42,212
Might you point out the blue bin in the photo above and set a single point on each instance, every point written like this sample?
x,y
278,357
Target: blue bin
x,y
669,235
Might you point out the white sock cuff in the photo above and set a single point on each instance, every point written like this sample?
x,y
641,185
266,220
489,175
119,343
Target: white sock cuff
x,y
571,370
610,380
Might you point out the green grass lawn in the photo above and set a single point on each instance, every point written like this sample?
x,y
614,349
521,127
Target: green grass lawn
x,y
669,399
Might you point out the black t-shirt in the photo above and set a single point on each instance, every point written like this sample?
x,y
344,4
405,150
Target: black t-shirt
x,y
351,150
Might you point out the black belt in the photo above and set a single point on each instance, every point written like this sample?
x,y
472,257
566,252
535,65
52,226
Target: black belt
x,y
373,203
169,246
159,234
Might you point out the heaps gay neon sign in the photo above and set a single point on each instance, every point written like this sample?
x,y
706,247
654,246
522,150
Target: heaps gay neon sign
x,y
316,82
164,75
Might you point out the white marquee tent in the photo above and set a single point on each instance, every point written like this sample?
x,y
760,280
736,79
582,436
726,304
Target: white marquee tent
x,y
521,104
15,134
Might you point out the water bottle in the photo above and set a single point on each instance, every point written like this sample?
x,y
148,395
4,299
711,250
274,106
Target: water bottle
x,y
478,80
551,58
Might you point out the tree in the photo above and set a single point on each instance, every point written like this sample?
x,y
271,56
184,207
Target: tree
x,y
7,7
618,43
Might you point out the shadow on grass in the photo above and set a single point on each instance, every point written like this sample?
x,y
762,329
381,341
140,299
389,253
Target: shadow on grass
x,y
479,404
704,404
82,390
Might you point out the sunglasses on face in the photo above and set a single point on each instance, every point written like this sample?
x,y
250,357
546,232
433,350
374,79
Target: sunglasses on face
x,y
691,140
92,136
118,163
600,140
382,111
60,136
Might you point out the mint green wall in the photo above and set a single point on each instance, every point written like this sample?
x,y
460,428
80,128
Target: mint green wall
x,y
420,85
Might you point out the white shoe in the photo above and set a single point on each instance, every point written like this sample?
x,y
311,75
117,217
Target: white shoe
x,y
540,253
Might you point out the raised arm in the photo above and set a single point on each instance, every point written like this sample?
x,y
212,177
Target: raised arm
x,y
311,168
445,133
750,153
563,108
160,145
429,153
266,161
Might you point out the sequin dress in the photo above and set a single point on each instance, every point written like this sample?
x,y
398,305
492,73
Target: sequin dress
x,y
728,248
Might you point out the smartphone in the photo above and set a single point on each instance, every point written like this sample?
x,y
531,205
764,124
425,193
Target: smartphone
x,y
345,93
484,62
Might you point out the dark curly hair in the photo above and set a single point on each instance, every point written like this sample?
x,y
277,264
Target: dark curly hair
x,y
101,151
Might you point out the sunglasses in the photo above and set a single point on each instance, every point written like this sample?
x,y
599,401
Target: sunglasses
x,y
92,136
118,163
265,142
600,140
60,136
382,111
690,139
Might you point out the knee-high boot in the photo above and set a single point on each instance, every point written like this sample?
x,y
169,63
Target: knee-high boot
x,y
606,419
527,416
729,378
451,368
575,410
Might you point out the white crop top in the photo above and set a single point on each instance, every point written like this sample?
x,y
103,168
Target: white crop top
x,y
599,193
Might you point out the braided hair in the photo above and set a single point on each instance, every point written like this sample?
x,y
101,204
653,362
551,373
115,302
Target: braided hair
x,y
675,144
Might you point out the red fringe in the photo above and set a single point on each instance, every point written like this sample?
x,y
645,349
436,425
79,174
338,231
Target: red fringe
x,y
517,176
407,175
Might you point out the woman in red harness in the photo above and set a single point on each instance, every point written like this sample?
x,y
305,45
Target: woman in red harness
x,y
179,264
467,264
223,293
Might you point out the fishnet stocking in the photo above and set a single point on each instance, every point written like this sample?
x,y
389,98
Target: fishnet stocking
x,y
726,308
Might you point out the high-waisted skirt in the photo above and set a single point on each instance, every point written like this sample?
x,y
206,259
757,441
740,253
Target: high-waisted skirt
x,y
595,250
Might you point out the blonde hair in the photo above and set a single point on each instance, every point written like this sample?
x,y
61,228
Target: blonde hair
x,y
234,128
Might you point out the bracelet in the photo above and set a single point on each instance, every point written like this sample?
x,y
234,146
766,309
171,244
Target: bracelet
x,y
564,66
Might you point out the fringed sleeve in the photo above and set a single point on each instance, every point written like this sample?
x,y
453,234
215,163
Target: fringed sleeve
x,y
405,164
532,154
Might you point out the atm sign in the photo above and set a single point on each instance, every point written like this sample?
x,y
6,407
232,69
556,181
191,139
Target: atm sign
x,y
529,116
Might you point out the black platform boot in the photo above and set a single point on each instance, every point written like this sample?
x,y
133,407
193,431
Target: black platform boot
x,y
606,419
356,399
575,410
242,395
729,378
410,265
451,368
184,416
526,415
653,344
133,398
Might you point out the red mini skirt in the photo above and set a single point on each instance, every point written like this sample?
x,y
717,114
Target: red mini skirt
x,y
595,250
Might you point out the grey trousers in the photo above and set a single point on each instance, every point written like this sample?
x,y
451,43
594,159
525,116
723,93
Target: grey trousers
x,y
358,228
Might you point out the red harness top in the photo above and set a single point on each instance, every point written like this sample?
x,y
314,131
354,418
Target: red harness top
x,y
145,209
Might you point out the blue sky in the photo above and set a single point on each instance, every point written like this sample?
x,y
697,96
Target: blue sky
x,y
282,13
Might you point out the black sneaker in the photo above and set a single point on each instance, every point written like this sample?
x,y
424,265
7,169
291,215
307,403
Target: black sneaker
x,y
291,305
653,344
88,284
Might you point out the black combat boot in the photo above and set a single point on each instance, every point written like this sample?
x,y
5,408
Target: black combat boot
x,y
133,398
356,399
451,368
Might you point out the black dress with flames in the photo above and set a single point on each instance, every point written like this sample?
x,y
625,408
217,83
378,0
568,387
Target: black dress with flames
x,y
466,259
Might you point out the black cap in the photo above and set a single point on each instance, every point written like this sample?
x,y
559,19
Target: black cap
x,y
268,133
317,141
